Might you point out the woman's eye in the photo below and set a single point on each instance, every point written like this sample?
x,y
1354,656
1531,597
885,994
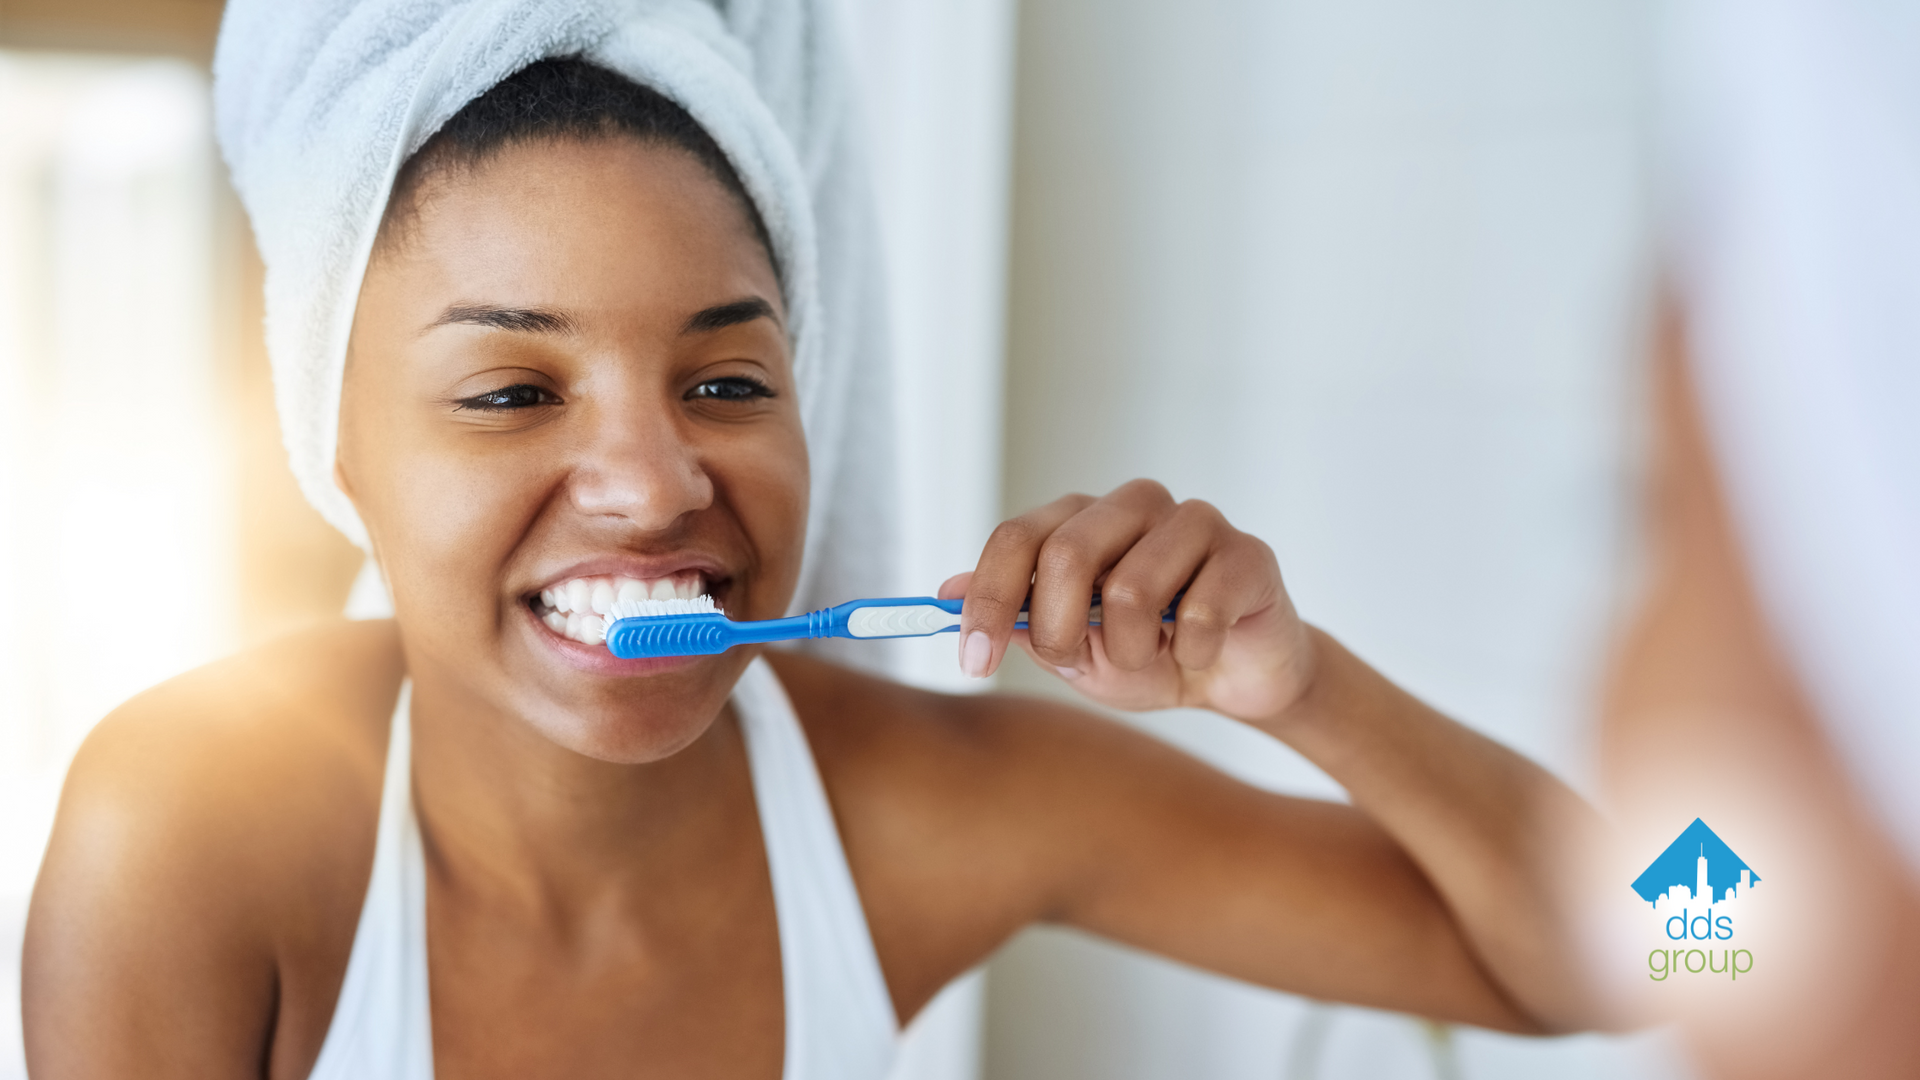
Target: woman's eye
x,y
505,399
731,388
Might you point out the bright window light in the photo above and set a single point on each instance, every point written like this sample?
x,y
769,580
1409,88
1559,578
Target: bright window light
x,y
116,489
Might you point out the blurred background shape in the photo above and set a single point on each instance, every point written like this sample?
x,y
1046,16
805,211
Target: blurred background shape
x,y
130,446
117,471
1369,274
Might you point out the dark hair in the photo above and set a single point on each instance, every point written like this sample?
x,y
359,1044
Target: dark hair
x,y
563,98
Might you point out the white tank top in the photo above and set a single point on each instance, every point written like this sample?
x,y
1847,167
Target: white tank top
x,y
839,1018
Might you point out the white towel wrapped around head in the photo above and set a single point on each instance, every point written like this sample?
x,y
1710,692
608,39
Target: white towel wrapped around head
x,y
319,103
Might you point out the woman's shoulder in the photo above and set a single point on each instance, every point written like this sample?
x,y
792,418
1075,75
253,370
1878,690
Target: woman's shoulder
x,y
211,851
866,727
292,708
964,816
992,773
859,722
236,784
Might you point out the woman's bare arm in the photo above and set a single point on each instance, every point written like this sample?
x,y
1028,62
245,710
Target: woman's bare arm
x,y
1406,900
1431,894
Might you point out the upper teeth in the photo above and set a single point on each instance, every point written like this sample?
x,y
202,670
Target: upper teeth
x,y
578,608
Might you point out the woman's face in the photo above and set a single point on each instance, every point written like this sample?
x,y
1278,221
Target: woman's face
x,y
569,377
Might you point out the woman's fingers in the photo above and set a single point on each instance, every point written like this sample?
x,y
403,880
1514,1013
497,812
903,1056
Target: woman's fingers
x,y
1241,576
1083,548
955,587
1141,550
1138,590
1000,581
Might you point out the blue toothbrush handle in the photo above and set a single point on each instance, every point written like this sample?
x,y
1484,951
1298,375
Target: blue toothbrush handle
x,y
887,617
917,616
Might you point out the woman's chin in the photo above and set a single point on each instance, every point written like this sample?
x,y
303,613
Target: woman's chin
x,y
628,712
628,735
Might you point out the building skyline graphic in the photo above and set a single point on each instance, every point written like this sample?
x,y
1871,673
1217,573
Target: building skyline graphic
x,y
1697,866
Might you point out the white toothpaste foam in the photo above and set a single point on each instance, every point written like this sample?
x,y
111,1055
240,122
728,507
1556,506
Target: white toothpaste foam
x,y
653,609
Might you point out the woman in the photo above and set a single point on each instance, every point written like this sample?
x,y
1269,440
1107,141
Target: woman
x,y
572,368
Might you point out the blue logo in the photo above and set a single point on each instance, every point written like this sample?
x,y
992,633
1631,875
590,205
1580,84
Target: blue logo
x,y
1696,887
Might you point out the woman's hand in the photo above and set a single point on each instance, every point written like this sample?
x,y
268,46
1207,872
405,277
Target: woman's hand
x,y
1236,646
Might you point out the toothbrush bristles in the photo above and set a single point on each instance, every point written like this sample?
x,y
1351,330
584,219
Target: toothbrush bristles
x,y
653,609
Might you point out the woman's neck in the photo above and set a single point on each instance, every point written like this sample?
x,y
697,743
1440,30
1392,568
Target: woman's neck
x,y
507,812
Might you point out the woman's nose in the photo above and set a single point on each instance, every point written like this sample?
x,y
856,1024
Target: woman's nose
x,y
641,469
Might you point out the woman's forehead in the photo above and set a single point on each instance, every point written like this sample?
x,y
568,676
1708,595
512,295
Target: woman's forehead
x,y
609,227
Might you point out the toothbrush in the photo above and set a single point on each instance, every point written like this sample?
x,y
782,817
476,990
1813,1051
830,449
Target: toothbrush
x,y
644,629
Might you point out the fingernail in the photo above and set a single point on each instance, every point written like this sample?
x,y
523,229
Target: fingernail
x,y
1068,672
976,654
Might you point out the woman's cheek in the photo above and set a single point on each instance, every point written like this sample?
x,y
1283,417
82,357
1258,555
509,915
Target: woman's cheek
x,y
458,515
772,506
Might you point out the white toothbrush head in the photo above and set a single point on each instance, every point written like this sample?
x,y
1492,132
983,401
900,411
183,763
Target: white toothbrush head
x,y
653,609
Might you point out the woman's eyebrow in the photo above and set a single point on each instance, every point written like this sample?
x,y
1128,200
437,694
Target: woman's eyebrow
x,y
733,314
524,320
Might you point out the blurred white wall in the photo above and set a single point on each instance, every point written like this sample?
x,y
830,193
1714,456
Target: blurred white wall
x,y
116,475
1371,276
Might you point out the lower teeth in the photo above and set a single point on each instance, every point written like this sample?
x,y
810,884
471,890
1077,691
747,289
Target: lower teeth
x,y
585,629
